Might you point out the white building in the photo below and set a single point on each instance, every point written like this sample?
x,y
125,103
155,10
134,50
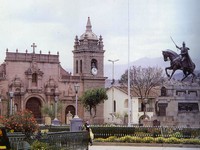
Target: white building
x,y
116,107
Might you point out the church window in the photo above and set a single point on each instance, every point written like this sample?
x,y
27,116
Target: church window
x,y
180,93
142,107
193,93
77,66
162,109
163,91
188,107
94,63
81,66
34,78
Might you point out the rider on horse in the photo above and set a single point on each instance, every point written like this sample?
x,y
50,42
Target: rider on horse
x,y
185,58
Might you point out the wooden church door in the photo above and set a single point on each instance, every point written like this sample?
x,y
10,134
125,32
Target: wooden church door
x,y
34,105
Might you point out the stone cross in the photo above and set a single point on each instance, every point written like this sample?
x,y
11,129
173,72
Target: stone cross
x,y
34,46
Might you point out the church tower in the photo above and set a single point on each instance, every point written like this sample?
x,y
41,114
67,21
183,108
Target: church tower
x,y
89,58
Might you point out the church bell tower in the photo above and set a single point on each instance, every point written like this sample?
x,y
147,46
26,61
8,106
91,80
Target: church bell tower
x,y
89,58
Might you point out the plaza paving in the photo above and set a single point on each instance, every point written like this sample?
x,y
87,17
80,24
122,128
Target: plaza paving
x,y
99,147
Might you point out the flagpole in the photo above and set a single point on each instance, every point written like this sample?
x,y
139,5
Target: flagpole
x,y
129,100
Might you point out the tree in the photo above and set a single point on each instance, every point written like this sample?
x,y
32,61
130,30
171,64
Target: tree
x,y
49,110
93,97
143,80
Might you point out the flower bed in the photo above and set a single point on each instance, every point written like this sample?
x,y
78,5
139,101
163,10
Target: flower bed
x,y
22,121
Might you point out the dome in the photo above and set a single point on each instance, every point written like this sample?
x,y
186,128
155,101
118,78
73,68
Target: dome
x,y
88,33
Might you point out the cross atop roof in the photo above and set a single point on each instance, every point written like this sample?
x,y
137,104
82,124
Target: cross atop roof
x,y
34,46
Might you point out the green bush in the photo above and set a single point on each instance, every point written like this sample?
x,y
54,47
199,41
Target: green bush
x,y
134,139
126,139
159,140
37,145
111,139
147,140
172,140
190,141
100,140
177,135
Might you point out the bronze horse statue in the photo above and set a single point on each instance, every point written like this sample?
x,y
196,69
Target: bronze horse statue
x,y
177,64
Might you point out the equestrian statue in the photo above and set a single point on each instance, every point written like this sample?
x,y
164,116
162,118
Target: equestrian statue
x,y
180,61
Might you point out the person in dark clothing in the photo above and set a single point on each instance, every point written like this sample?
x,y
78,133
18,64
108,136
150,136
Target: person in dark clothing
x,y
185,58
87,128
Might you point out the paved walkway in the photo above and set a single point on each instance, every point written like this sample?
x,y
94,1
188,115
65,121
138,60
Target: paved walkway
x,y
98,147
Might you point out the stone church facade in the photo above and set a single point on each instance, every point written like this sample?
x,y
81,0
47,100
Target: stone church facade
x,y
37,79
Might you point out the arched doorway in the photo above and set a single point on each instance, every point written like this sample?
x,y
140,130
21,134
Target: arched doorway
x,y
143,120
33,104
70,109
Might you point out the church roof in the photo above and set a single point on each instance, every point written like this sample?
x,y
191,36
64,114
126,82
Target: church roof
x,y
134,93
88,33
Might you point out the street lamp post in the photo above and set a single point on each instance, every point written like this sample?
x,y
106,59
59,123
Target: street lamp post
x,y
113,81
76,123
11,102
76,88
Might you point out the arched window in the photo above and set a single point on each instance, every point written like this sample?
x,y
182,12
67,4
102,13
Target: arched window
x,y
34,78
94,63
163,91
126,103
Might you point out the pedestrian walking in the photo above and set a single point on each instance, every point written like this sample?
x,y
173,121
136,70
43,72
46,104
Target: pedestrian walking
x,y
91,135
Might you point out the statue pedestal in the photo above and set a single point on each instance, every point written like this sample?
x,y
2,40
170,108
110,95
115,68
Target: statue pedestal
x,y
56,122
76,124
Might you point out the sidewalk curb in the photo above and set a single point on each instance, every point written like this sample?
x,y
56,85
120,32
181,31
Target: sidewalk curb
x,y
146,144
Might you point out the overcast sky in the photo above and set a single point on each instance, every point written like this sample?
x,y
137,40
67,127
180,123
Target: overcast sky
x,y
53,25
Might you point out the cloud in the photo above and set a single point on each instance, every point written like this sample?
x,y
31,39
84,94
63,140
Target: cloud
x,y
53,25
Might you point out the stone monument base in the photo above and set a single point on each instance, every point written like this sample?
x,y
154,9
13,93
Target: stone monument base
x,y
76,124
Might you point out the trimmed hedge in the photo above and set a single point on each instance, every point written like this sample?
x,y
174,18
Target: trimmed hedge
x,y
139,131
134,139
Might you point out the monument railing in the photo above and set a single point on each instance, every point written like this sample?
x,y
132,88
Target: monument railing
x,y
70,140
145,131
63,139
16,140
